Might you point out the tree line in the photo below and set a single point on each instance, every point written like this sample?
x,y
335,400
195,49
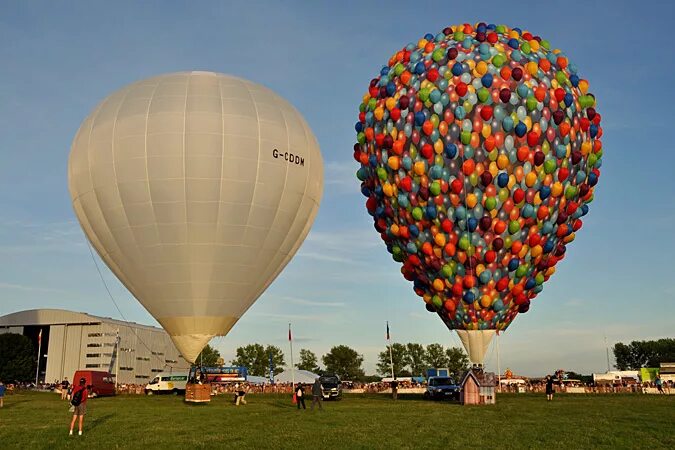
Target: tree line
x,y
408,360
639,354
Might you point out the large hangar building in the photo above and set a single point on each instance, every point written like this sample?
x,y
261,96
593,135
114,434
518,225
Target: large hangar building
x,y
73,341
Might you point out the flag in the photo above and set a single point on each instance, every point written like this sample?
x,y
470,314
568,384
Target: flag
x,y
387,330
289,332
40,337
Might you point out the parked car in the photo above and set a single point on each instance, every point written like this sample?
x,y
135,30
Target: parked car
x,y
442,387
99,383
331,387
167,383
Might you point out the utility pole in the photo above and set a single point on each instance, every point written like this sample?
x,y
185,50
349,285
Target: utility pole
x,y
607,350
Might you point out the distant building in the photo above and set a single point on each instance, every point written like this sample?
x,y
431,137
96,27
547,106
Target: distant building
x,y
73,341
667,371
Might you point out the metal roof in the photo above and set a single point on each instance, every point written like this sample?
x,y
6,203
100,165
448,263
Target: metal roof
x,y
61,317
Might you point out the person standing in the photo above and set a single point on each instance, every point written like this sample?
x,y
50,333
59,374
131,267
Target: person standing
x,y
659,384
79,402
241,395
549,387
64,388
317,394
300,396
2,394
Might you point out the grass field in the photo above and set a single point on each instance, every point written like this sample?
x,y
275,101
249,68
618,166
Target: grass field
x,y
40,420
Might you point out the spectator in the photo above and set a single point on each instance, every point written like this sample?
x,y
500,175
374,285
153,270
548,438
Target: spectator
x,y
79,405
240,395
2,394
317,394
549,387
64,388
300,396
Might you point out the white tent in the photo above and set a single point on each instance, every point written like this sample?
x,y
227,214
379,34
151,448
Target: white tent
x,y
257,380
301,376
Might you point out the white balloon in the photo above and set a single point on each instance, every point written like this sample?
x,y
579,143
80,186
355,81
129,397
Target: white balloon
x,y
196,189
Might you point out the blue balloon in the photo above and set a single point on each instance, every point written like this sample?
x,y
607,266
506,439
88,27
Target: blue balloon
x,y
503,180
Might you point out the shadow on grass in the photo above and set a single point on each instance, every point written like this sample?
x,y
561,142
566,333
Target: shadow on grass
x,y
12,404
95,423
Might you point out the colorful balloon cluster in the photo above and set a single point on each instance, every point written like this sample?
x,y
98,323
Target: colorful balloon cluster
x,y
479,150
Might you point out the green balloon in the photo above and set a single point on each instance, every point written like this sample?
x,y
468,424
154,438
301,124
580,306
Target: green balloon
x,y
447,271
514,227
417,213
550,166
464,242
435,188
499,60
490,203
483,95
531,103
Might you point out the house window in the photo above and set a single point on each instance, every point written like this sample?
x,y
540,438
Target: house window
x,y
95,334
126,368
94,345
93,355
92,366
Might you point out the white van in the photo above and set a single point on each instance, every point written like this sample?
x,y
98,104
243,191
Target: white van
x,y
167,383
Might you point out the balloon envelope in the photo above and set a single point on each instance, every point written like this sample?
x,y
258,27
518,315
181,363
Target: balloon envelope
x,y
479,149
196,189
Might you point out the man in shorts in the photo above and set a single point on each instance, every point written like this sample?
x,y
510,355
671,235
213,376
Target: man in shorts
x,y
79,403
64,388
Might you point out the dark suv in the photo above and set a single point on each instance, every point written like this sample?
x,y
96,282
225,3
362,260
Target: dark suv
x,y
331,387
442,387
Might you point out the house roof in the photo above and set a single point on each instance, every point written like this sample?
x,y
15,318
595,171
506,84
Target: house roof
x,y
482,379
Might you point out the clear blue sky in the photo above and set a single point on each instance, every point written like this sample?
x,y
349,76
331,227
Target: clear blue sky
x,y
59,60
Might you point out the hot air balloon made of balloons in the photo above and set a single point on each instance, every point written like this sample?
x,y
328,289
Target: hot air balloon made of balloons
x,y
196,189
479,150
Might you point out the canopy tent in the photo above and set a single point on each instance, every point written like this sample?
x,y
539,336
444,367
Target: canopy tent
x,y
301,376
257,380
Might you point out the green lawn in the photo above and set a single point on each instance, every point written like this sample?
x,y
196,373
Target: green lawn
x,y
40,420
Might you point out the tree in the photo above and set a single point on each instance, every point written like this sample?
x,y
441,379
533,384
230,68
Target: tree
x,y
623,357
640,354
344,362
17,358
308,361
435,356
208,357
256,359
399,357
458,362
416,359
278,361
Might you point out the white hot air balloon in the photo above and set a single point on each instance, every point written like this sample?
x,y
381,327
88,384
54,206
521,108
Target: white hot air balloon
x,y
196,189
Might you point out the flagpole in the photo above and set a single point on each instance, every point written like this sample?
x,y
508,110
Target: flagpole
x,y
37,371
117,360
391,358
290,340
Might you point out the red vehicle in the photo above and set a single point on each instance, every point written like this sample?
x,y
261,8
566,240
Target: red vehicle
x,y
99,383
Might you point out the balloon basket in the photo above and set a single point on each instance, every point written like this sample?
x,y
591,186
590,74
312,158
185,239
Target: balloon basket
x,y
198,393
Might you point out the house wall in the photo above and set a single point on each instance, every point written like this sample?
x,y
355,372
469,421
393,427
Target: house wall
x,y
470,392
